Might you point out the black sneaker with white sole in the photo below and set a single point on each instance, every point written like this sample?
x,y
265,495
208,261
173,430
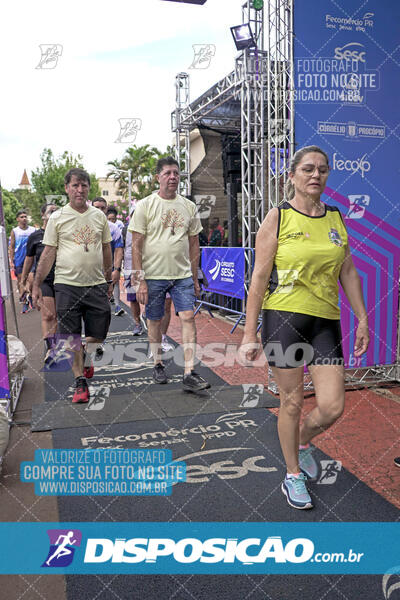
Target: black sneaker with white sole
x,y
159,374
193,382
397,461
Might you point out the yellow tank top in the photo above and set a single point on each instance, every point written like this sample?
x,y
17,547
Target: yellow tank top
x,y
307,264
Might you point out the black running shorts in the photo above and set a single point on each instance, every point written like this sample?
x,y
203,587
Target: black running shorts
x,y
47,289
292,339
74,303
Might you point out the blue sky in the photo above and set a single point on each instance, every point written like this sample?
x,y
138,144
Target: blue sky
x,y
117,61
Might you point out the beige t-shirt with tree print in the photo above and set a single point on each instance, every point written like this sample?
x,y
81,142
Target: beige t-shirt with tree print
x,y
166,225
79,239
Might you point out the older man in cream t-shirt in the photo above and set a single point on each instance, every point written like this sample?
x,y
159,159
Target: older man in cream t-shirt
x,y
165,246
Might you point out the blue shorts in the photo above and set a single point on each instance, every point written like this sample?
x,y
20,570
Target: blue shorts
x,y
181,291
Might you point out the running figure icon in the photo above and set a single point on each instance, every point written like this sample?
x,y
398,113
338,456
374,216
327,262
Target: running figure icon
x,y
62,549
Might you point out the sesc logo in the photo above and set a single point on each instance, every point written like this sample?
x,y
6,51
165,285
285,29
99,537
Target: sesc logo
x,y
358,165
214,272
351,51
223,469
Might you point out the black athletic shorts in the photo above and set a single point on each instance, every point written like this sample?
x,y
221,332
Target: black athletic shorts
x,y
292,339
74,303
47,289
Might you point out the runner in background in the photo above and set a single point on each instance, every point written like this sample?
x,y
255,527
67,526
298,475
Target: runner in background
x,y
17,252
131,291
34,249
117,250
112,215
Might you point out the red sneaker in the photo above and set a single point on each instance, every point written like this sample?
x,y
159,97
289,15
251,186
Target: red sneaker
x,y
81,393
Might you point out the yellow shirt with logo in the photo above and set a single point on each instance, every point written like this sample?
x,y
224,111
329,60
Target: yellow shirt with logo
x,y
79,239
166,225
310,254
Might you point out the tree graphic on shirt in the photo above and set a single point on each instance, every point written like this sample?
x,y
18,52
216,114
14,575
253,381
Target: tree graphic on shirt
x,y
84,236
172,219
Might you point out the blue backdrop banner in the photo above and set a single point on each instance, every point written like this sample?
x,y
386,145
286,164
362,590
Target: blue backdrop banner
x,y
224,271
347,86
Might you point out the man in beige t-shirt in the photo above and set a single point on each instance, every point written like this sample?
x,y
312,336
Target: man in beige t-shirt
x,y
77,237
165,246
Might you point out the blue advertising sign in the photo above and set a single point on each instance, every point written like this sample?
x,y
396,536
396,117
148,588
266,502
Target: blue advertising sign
x,y
224,271
347,86
200,548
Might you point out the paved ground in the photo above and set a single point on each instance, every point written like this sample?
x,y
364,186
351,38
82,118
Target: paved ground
x,y
365,439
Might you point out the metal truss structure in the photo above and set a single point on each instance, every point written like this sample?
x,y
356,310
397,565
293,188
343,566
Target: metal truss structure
x,y
256,101
182,131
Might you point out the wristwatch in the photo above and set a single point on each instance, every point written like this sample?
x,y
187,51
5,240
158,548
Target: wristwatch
x,y
117,269
109,281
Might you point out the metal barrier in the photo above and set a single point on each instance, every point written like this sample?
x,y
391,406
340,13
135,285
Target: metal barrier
x,y
228,301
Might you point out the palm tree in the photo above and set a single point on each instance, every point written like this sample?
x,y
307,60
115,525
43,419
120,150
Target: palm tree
x,y
142,160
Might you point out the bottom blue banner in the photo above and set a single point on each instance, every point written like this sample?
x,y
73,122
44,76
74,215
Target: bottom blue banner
x,y
192,548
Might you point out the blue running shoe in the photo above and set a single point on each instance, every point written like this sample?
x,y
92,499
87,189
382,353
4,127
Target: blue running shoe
x,y
307,463
296,492
138,329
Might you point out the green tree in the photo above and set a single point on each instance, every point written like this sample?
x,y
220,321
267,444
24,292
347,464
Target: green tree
x,y
48,179
11,206
31,202
142,160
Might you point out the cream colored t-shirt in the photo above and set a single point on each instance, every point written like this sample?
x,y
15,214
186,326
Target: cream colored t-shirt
x,y
78,238
167,225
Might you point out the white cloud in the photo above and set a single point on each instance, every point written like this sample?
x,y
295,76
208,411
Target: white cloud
x,y
118,60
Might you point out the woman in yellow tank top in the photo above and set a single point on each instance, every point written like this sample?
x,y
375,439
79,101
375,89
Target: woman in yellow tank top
x,y
302,252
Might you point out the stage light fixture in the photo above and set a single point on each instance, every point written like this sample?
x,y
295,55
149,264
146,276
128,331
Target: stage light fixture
x,y
243,36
